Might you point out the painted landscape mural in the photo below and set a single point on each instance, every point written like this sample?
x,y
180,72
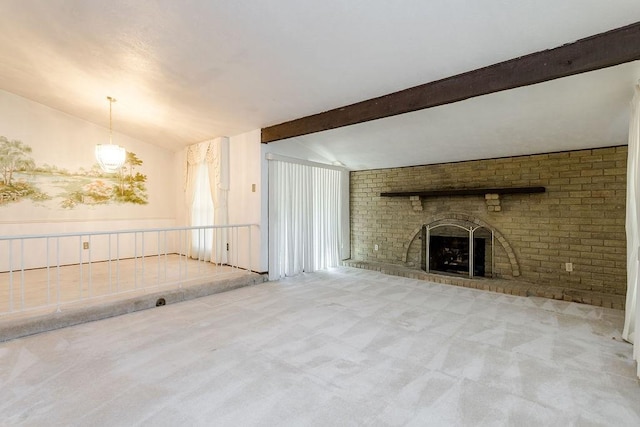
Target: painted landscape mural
x,y
22,179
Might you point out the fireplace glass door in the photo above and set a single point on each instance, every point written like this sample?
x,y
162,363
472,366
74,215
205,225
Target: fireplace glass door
x,y
458,250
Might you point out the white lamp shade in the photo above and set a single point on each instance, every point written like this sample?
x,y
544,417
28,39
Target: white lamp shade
x,y
110,157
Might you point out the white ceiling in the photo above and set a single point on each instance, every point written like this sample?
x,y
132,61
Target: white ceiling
x,y
585,111
190,70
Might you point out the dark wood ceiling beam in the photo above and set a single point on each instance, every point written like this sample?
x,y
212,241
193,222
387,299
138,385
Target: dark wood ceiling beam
x,y
592,53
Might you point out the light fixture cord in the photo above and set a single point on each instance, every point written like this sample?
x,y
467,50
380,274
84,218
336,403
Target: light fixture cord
x,y
111,101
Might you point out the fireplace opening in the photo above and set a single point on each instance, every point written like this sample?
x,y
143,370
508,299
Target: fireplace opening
x,y
451,255
447,249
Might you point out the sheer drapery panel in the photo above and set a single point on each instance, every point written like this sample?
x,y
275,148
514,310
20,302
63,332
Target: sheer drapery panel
x,y
304,218
202,214
207,167
632,322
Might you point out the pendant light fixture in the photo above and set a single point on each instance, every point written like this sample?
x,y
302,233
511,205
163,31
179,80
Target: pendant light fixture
x,y
110,157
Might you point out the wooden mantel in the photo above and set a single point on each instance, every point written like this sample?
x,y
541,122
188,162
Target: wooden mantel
x,y
491,195
465,192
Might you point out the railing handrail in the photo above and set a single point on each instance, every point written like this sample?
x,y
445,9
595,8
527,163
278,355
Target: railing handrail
x,y
128,231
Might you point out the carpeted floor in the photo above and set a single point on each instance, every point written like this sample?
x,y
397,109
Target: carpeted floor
x,y
342,347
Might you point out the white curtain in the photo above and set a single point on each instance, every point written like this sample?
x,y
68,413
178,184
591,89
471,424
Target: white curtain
x,y
209,160
304,218
202,213
632,321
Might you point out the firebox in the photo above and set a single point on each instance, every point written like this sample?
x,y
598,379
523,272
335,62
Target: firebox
x,y
448,249
451,255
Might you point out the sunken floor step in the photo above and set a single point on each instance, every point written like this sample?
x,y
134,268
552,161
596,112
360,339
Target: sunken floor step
x,y
512,287
29,323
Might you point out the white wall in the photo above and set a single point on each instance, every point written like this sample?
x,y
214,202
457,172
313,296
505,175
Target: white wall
x,y
245,204
179,196
68,143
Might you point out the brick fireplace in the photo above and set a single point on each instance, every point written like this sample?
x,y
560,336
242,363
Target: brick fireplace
x,y
572,236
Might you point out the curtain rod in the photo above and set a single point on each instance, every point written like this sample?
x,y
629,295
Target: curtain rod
x,y
280,158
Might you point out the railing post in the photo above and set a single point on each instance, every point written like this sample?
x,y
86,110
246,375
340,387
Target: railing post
x,y
90,266
180,250
10,275
109,264
80,265
158,258
143,270
135,260
186,257
22,284
165,254
118,262
48,274
58,272
235,249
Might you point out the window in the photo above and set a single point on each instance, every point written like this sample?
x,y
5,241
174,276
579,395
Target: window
x,y
206,194
202,215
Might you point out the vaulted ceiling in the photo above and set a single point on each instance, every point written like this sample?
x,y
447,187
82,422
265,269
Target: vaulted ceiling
x,y
187,71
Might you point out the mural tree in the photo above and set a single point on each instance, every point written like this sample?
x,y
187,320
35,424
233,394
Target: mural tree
x,y
132,161
14,156
131,188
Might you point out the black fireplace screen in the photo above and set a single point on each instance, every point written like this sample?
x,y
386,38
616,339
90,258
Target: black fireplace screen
x,y
451,255
447,250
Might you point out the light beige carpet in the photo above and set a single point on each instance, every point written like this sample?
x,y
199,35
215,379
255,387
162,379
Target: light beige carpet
x,y
342,347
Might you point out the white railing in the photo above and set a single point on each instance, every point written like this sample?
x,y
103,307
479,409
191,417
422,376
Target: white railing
x,y
51,270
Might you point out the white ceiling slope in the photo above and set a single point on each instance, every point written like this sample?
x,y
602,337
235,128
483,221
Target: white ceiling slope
x,y
190,70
